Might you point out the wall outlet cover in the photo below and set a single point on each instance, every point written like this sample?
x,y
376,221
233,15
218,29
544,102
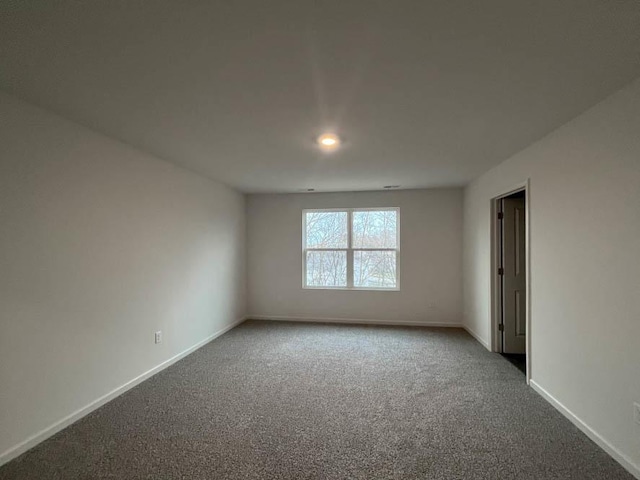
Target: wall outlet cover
x,y
158,336
636,412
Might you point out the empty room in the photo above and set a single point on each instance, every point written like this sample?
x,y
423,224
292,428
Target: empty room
x,y
320,239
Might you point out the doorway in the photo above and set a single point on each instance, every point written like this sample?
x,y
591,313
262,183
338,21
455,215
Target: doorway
x,y
511,278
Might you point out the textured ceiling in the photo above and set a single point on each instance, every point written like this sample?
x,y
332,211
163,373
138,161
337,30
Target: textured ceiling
x,y
425,93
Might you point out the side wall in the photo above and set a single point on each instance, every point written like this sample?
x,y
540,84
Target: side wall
x,y
430,259
585,266
100,247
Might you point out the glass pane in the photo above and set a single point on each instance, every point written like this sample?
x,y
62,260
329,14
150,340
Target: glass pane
x,y
375,229
326,229
375,269
326,269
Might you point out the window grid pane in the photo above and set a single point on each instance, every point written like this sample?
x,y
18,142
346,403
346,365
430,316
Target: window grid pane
x,y
375,229
326,230
326,268
374,269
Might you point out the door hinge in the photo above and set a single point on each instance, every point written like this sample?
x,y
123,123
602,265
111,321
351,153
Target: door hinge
x,y
500,271
500,215
501,327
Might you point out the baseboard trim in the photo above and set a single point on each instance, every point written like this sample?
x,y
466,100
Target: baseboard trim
x,y
598,439
477,337
51,430
358,321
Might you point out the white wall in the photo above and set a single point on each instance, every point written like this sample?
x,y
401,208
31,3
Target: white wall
x,y
585,272
430,258
100,246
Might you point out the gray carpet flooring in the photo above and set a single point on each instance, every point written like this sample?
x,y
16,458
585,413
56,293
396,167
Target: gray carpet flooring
x,y
271,400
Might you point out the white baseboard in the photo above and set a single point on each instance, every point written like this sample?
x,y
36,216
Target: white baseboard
x,y
358,321
618,456
477,337
51,430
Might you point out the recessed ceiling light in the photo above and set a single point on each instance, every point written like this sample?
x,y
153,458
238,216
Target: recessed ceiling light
x,y
328,141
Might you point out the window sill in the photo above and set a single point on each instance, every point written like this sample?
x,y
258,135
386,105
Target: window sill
x,y
354,289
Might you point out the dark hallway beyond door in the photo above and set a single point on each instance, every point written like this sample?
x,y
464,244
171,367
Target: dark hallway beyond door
x,y
518,360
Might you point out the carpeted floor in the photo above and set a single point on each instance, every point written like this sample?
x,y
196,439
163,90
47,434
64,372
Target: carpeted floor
x,y
272,400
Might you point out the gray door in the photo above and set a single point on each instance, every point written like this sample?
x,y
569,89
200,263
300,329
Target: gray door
x,y
514,283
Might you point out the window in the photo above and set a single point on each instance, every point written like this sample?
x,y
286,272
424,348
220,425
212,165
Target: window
x,y
351,248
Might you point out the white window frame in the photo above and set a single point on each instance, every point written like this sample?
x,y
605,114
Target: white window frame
x,y
350,250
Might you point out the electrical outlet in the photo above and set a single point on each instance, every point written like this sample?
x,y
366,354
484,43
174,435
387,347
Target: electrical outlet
x,y
636,412
159,336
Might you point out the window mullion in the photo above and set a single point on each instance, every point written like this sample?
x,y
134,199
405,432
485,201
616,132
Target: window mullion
x,y
350,250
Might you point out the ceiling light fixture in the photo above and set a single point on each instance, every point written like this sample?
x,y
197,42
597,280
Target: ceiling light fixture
x,y
388,187
328,141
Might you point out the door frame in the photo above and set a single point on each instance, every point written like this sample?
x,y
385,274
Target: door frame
x,y
496,304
